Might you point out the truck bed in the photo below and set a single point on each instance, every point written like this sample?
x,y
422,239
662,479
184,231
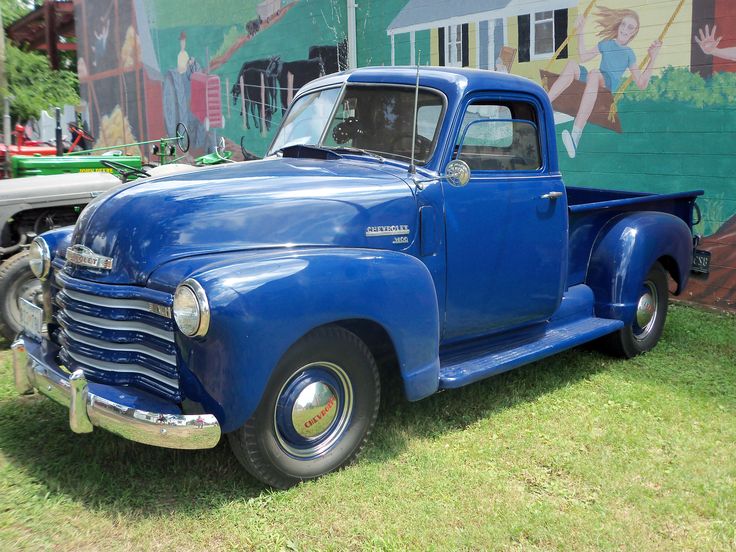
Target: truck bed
x,y
591,208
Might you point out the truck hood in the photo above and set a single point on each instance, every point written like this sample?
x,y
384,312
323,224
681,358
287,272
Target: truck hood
x,y
245,206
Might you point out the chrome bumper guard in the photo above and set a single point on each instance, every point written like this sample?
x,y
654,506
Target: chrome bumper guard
x,y
87,410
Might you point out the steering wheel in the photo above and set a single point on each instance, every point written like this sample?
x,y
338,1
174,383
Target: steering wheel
x,y
76,129
182,137
124,170
423,145
347,130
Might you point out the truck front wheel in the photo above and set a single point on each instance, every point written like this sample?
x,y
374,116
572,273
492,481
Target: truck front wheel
x,y
317,412
16,281
651,311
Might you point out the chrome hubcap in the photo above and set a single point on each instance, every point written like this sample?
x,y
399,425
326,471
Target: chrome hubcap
x,y
646,311
28,288
313,410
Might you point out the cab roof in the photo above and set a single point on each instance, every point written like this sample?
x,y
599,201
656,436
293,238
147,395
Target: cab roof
x,y
452,81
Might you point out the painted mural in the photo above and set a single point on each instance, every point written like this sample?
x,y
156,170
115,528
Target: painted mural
x,y
643,91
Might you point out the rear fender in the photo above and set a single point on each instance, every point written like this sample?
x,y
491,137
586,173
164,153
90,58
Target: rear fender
x,y
262,303
624,252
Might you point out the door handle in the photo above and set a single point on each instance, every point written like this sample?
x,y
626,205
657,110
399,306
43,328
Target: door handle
x,y
551,195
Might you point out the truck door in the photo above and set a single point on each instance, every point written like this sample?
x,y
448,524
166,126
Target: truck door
x,y
507,227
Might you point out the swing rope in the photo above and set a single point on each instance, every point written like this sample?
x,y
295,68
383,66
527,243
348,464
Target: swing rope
x,y
565,42
624,85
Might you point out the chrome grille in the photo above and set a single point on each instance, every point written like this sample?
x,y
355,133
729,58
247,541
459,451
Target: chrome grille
x,y
117,335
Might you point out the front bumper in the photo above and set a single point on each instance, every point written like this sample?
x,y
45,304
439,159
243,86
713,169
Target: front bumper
x,y
134,416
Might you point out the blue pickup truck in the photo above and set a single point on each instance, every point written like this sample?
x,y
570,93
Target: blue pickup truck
x,y
407,221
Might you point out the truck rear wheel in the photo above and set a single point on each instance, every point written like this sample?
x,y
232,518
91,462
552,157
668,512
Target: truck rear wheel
x,y
317,412
16,281
651,312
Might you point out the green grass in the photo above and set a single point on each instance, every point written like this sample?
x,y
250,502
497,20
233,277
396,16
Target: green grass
x,y
577,452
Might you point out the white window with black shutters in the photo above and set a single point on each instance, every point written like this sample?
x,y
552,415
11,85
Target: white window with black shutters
x,y
542,40
453,45
454,55
541,33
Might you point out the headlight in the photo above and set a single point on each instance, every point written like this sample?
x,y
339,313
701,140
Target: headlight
x,y
39,258
191,309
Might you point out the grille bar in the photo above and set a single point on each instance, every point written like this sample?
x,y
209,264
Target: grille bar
x,y
109,302
121,325
119,335
122,347
121,367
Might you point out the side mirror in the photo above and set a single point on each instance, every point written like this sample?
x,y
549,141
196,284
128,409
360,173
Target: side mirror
x,y
457,173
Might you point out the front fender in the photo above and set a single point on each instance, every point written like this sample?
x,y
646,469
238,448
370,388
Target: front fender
x,y
262,303
624,252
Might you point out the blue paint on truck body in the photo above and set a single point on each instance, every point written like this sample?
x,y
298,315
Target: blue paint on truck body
x,y
490,276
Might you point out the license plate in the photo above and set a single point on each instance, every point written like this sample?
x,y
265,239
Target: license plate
x,y
31,317
701,261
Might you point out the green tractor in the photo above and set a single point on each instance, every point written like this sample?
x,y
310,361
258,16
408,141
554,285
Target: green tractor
x,y
81,161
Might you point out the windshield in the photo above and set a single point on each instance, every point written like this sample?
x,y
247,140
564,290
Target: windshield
x,y
377,119
306,119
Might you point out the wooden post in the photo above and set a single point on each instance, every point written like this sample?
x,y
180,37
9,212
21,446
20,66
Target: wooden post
x,y
227,95
52,38
263,105
242,101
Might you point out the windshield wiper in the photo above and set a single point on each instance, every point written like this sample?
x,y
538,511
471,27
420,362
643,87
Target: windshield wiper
x,y
359,151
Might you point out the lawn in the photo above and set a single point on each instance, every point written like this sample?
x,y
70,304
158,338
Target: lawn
x,y
577,452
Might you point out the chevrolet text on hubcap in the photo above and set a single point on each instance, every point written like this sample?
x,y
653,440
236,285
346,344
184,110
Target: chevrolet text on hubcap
x,y
646,311
313,410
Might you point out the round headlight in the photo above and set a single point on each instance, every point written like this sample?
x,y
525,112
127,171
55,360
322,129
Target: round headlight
x,y
39,257
191,309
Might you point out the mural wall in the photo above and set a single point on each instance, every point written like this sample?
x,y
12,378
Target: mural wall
x,y
643,91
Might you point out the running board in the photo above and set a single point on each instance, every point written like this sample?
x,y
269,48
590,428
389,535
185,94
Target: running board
x,y
461,367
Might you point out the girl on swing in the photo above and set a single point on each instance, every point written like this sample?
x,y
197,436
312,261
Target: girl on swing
x,y
616,28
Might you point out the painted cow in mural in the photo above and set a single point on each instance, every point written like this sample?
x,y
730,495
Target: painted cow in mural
x,y
259,98
253,26
292,75
259,90
334,56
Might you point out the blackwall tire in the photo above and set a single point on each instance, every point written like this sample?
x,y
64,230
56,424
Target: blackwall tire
x,y
644,332
16,280
318,410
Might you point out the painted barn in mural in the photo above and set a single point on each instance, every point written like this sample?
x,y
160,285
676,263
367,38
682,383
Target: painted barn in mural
x,y
643,91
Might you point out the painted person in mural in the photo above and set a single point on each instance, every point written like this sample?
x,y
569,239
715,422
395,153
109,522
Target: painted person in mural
x,y
617,28
709,44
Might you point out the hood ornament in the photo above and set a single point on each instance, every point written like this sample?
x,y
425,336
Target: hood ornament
x,y
81,255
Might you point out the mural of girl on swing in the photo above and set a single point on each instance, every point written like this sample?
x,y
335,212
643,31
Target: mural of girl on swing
x,y
616,27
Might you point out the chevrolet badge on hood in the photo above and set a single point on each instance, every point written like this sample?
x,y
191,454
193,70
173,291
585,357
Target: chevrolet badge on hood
x,y
81,255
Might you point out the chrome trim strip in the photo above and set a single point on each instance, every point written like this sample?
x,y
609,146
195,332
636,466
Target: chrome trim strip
x,y
121,325
179,431
121,367
125,347
110,303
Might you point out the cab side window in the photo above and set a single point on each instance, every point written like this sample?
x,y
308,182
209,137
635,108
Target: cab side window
x,y
499,136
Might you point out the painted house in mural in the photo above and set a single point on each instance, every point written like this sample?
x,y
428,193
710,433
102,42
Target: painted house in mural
x,y
475,33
